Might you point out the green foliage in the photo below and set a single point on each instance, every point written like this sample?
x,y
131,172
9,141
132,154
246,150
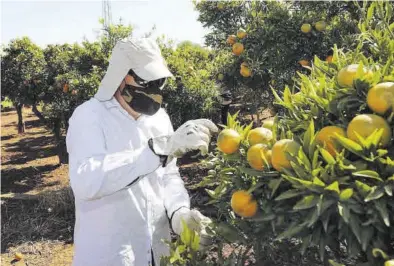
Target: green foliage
x,y
22,71
275,44
193,92
324,200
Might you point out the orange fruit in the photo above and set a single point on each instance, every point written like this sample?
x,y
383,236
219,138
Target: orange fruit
x,y
259,135
231,39
365,125
243,204
279,153
304,62
245,72
74,92
320,25
329,58
326,137
306,28
65,88
238,48
259,157
228,141
389,263
241,33
347,75
380,97
268,123
220,77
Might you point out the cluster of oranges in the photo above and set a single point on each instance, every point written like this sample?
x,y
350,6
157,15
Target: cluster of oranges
x,y
238,49
380,99
263,153
307,28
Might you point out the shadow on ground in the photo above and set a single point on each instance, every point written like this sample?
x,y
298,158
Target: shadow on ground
x,y
48,215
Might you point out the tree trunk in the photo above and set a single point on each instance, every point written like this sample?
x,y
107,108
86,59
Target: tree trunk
x,y
224,113
21,124
38,113
60,142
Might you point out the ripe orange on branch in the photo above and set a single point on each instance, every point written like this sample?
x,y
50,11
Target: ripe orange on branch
x,y
228,141
259,157
365,124
243,204
238,48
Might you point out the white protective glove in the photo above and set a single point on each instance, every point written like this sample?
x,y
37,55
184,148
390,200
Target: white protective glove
x,y
195,221
192,135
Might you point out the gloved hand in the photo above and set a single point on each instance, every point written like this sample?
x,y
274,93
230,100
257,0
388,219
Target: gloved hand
x,y
195,221
192,135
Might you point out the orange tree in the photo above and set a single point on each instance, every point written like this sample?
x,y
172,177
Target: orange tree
x,y
73,74
271,40
331,190
194,91
22,75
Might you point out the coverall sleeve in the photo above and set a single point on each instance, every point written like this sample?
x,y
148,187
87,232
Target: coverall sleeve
x,y
176,195
94,172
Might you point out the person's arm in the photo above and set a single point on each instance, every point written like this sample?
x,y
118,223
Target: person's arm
x,y
176,195
95,173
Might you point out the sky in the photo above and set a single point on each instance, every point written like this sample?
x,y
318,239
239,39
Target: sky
x,y
56,21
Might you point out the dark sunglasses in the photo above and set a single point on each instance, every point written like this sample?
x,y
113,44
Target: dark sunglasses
x,y
158,83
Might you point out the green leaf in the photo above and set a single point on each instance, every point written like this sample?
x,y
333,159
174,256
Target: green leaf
x,y
375,137
350,145
312,218
354,223
186,233
333,187
366,236
382,208
306,242
250,171
327,156
274,185
318,182
289,194
309,136
211,193
333,263
324,203
344,212
368,174
306,203
299,183
195,245
304,159
364,189
389,190
291,231
315,159
299,170
346,194
376,193
379,253
228,232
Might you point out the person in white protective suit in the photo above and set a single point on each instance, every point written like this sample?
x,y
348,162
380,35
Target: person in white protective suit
x,y
122,163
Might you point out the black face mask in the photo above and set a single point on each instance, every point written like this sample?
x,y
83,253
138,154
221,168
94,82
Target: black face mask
x,y
145,100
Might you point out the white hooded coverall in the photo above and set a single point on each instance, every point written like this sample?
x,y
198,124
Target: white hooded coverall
x,y
117,224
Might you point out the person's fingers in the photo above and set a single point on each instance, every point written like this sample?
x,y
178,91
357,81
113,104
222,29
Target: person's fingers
x,y
207,123
204,137
203,128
